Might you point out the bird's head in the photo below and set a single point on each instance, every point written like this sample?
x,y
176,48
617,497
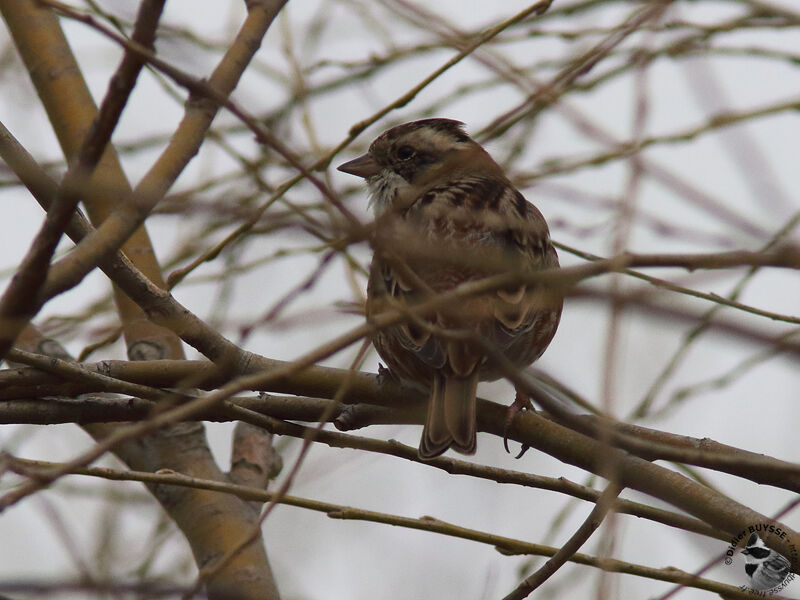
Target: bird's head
x,y
755,550
405,161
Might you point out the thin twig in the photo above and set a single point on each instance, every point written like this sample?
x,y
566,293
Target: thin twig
x,y
504,545
604,504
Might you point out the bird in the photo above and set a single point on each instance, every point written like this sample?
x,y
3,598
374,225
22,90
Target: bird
x,y
447,215
764,567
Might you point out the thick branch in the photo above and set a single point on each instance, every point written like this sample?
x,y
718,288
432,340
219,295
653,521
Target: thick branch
x,y
17,306
529,428
70,108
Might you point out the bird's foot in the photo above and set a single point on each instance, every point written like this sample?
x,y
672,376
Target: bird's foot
x,y
521,402
385,376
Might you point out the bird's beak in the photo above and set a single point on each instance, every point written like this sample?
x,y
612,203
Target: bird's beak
x,y
363,166
745,551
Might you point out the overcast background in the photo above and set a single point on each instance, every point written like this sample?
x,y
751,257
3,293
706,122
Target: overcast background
x,y
749,168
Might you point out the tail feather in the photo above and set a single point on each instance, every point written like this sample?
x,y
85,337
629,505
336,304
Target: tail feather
x,y
435,436
451,416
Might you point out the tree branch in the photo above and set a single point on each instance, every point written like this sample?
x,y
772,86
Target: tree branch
x,y
504,545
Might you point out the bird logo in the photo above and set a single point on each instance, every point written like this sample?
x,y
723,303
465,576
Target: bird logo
x,y
764,567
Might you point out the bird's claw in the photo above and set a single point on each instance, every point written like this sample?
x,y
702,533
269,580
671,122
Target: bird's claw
x,y
521,402
385,376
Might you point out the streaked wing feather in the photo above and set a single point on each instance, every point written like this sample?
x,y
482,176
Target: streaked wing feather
x,y
412,336
484,216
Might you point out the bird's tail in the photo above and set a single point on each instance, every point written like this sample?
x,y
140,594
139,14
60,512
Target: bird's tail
x,y
451,416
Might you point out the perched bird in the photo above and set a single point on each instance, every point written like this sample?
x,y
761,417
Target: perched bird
x,y
447,215
765,567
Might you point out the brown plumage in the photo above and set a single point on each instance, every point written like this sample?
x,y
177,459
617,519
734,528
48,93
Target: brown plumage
x,y
447,215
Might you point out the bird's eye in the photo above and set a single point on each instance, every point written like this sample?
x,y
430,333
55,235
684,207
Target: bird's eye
x,y
405,152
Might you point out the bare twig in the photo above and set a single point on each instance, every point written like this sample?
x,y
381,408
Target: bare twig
x,y
503,544
588,527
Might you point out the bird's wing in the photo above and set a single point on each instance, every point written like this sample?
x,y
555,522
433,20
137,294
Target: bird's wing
x,y
777,563
462,231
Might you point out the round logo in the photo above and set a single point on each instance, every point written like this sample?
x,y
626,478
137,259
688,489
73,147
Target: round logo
x,y
766,571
